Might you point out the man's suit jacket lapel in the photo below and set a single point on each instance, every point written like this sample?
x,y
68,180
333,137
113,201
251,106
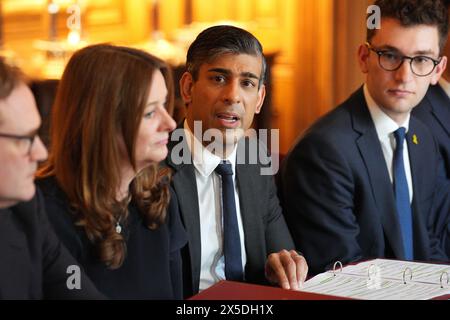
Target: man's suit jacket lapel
x,y
185,187
248,188
440,106
370,148
418,161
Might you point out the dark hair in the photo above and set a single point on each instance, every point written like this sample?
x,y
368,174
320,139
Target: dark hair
x,y
416,12
10,77
103,92
218,40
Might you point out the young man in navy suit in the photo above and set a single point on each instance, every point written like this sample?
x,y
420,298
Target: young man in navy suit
x,y
434,111
222,89
361,181
33,263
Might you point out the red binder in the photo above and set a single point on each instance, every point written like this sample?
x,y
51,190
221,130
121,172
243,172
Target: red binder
x,y
228,290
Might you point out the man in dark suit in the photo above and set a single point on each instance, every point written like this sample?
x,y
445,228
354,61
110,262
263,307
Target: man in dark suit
x,y
239,234
360,183
33,263
434,111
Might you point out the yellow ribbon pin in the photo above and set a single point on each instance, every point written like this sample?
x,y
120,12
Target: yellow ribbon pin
x,y
415,140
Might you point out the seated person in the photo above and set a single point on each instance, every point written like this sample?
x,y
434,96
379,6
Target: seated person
x,y
229,207
107,197
360,183
33,264
434,111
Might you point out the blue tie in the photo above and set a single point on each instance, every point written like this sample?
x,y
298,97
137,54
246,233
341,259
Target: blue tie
x,y
402,195
231,239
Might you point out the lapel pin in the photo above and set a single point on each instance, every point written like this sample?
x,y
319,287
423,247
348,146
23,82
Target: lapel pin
x,y
415,140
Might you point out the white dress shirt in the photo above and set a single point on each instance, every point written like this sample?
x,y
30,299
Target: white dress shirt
x,y
445,85
385,128
209,186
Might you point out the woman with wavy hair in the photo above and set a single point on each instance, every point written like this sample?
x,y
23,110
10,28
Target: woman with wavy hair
x,y
106,196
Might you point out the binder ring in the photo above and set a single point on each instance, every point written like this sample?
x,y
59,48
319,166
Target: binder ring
x,y
371,272
410,274
442,278
334,267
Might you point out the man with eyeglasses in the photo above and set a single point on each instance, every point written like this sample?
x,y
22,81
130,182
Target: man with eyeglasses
x,y
360,183
434,111
33,264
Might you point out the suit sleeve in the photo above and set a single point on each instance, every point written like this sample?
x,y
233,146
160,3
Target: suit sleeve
x,y
318,188
55,264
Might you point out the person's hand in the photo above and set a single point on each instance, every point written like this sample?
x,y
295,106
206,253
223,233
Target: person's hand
x,y
288,269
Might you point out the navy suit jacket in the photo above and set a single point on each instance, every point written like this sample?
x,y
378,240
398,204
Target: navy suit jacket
x,y
337,195
33,262
264,225
434,111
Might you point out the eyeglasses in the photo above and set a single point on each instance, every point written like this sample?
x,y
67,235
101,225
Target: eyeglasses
x,y
25,143
421,66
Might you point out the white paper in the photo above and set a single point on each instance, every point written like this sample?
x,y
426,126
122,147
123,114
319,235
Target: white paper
x,y
382,279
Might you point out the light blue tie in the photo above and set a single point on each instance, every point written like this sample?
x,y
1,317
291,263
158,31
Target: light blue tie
x,y
231,238
402,195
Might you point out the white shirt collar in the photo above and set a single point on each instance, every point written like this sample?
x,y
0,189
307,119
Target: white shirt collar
x,y
205,161
383,123
445,85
